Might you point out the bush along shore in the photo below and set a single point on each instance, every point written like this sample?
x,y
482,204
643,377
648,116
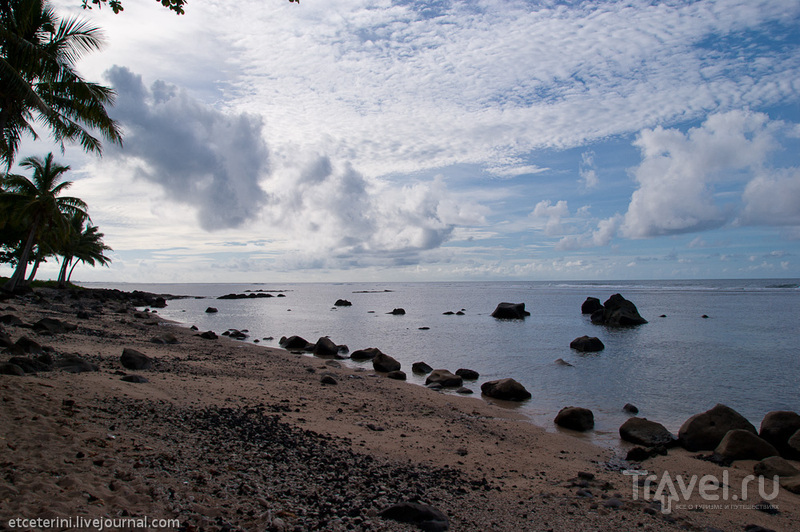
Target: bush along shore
x,y
108,411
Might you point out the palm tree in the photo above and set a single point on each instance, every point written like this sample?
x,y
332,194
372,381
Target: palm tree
x,y
38,52
84,244
39,204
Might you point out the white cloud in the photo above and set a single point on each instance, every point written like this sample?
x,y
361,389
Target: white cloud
x,y
773,199
553,214
678,172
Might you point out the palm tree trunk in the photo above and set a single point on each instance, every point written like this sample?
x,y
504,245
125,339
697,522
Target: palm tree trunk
x,y
72,270
35,268
22,265
62,275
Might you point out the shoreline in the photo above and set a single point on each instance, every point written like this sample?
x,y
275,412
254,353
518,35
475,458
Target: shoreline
x,y
133,447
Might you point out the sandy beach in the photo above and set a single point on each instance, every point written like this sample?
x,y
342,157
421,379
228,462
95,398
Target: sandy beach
x,y
227,435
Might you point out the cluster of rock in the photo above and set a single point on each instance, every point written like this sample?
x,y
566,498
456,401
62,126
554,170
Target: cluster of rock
x,y
730,437
251,295
615,312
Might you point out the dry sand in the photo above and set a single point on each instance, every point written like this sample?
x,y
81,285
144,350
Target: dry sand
x,y
227,435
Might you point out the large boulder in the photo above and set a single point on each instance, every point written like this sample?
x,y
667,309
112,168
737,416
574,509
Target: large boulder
x,y
794,443
777,427
296,342
575,418
445,378
72,363
510,311
587,344
385,364
740,444
642,431
326,348
133,359
618,312
505,389
468,374
53,326
704,432
365,354
591,305
7,368
775,466
421,368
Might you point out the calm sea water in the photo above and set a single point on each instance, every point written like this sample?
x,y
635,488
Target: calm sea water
x,y
744,354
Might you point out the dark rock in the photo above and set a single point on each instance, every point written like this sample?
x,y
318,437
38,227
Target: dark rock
x,y
53,326
642,431
468,374
325,348
445,378
562,362
5,339
591,305
506,389
704,432
342,303
775,466
138,379
587,344
236,334
75,364
421,368
208,335
365,354
384,363
618,312
133,359
328,379
397,312
259,295
397,375
6,368
794,443
777,427
464,391
164,338
425,517
575,418
638,454
296,342
510,311
29,365
26,345
211,310
10,319
740,444
630,409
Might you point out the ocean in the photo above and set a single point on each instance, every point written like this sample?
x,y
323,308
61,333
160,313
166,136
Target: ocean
x,y
744,354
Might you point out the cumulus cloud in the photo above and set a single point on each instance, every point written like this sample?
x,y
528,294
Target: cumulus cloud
x,y
773,199
677,176
199,155
340,218
553,214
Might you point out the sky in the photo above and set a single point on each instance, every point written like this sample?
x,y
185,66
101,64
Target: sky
x,y
377,140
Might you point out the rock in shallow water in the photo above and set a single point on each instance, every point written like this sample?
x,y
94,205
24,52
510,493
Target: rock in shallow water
x,y
575,418
505,389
